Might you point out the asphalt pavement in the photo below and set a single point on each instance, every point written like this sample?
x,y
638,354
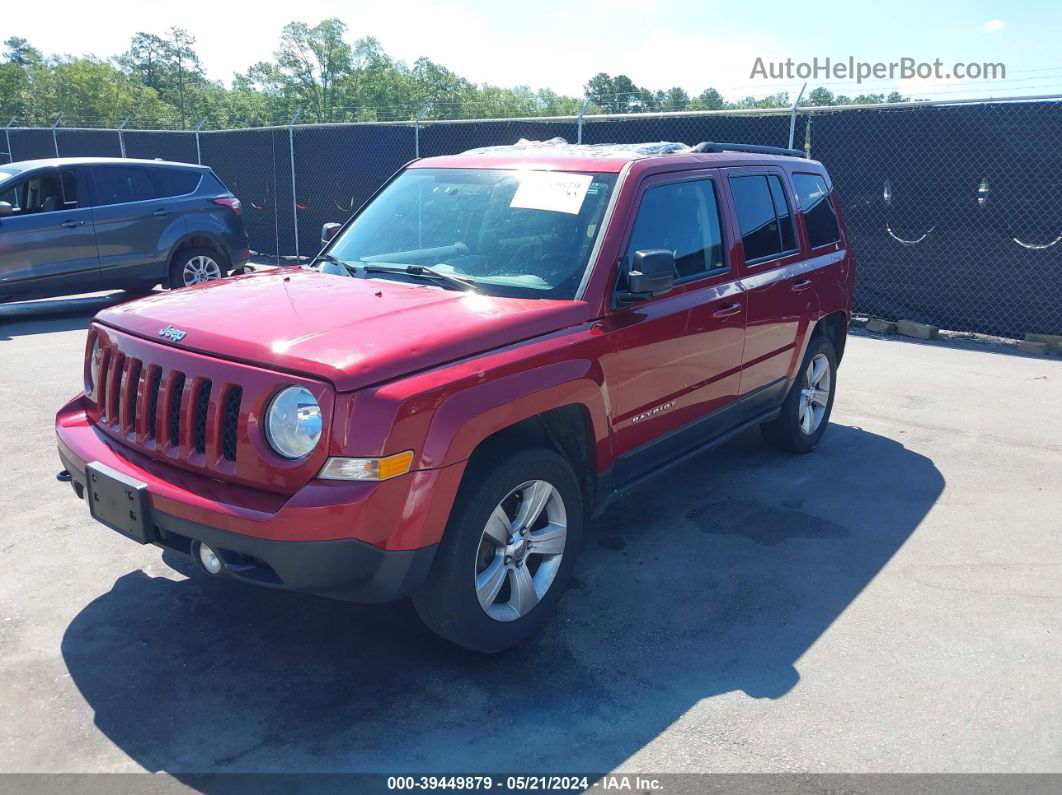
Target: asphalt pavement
x,y
891,602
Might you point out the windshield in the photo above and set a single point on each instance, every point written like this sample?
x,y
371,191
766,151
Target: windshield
x,y
525,234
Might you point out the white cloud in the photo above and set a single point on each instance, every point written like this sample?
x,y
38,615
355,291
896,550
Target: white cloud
x,y
994,26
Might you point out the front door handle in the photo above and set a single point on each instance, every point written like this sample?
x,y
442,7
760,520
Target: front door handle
x,y
71,224
727,311
801,285
161,213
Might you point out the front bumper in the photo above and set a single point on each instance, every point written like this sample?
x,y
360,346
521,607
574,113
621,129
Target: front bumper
x,y
366,542
342,569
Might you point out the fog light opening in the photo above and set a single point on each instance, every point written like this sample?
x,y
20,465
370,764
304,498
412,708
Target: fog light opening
x,y
208,558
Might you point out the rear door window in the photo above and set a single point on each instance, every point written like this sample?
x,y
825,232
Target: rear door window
x,y
122,184
782,212
764,218
819,216
174,182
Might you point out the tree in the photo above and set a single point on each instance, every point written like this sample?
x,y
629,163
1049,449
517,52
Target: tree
x,y
820,96
183,56
20,52
599,89
159,81
618,94
148,57
676,99
710,99
625,94
310,60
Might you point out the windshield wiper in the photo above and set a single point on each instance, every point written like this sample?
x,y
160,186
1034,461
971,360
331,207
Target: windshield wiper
x,y
333,259
424,272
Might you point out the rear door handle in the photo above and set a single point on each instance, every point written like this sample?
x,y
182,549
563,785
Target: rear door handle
x,y
801,285
161,213
71,224
727,311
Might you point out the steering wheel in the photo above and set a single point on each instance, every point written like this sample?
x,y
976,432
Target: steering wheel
x,y
528,252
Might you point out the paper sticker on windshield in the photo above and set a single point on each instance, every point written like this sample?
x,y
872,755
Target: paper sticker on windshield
x,y
553,191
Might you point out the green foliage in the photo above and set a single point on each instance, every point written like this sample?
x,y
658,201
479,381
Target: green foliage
x,y
160,82
19,51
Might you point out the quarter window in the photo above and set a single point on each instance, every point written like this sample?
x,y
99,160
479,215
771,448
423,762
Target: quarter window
x,y
764,218
121,184
819,215
173,182
682,217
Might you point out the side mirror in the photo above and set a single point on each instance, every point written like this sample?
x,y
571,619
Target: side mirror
x,y
652,273
328,231
5,209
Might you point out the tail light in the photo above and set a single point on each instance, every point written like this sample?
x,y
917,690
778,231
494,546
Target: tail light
x,y
231,202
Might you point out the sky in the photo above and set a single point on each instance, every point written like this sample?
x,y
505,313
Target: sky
x,y
560,45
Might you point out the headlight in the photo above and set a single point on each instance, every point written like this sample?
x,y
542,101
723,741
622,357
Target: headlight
x,y
92,374
293,422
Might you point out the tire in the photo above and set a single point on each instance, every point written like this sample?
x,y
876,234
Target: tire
x,y
790,430
469,556
207,262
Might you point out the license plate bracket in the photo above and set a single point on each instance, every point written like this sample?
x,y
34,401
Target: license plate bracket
x,y
118,501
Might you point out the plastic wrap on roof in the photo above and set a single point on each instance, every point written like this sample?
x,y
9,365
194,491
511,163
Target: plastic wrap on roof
x,y
560,146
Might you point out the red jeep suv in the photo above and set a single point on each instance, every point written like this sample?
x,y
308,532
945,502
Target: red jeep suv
x,y
490,351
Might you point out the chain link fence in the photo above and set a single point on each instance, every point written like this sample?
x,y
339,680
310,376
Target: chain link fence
x,y
953,209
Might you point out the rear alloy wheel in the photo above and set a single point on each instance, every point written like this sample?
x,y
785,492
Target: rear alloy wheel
x,y
814,394
507,552
195,266
806,410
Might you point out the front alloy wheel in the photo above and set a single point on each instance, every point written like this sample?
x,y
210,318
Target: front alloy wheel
x,y
508,549
521,550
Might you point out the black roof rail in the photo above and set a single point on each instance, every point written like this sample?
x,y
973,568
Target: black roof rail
x,y
711,146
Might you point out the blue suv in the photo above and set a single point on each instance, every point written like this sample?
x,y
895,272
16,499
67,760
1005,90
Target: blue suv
x,y
77,225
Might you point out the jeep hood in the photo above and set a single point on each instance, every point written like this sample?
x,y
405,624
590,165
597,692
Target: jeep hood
x,y
352,332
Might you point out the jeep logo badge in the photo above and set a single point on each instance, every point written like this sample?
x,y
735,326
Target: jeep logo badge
x,y
172,333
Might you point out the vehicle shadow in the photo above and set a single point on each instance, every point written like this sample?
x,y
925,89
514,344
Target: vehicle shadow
x,y
54,314
714,579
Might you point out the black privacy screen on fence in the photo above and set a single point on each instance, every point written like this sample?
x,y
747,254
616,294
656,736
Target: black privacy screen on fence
x,y
953,211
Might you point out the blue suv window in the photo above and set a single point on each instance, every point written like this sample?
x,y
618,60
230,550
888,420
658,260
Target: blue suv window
x,y
121,184
173,182
44,193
